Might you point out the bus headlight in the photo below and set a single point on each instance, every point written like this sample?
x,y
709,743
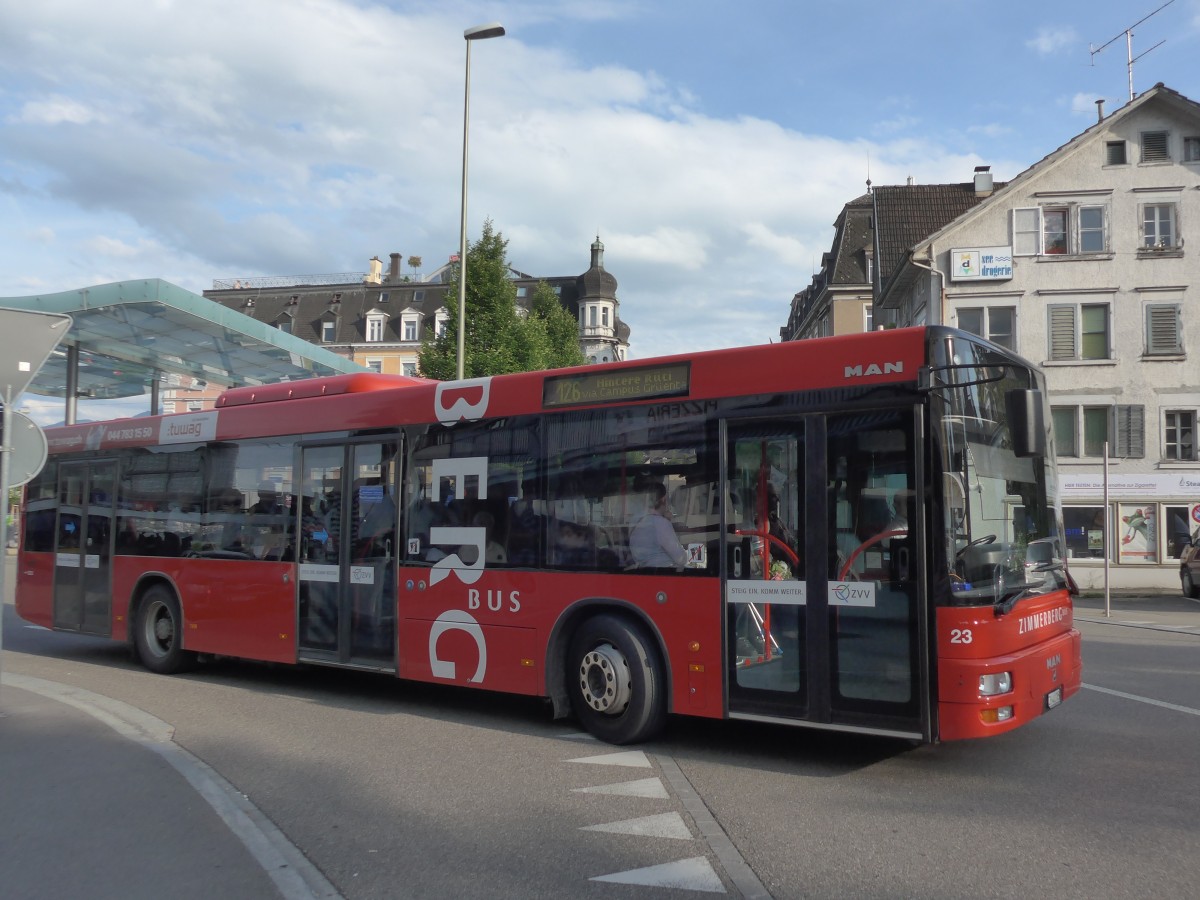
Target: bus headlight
x,y
996,683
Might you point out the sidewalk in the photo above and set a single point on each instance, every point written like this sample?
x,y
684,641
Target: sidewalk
x,y
1167,610
98,802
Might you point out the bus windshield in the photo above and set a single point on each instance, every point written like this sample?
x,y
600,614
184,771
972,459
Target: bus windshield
x,y
1003,531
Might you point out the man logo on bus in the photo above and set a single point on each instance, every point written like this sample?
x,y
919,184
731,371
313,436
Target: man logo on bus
x,y
861,371
461,408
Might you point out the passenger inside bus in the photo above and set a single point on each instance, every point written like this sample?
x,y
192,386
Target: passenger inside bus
x,y
652,539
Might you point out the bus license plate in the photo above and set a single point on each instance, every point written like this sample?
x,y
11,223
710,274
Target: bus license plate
x,y
1054,698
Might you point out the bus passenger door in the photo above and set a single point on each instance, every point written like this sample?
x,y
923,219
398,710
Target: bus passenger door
x,y
83,547
877,667
766,626
823,588
346,554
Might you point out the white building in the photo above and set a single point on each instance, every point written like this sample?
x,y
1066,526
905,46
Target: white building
x,y
1080,265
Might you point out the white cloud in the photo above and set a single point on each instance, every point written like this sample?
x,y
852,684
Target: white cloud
x,y
217,139
1051,39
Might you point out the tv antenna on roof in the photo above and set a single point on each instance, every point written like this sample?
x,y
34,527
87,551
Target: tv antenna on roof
x,y
1128,32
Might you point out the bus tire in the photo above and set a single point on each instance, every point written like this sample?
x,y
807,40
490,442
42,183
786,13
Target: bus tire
x,y
615,680
158,633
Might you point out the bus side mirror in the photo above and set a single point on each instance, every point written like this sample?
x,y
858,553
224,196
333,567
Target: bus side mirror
x,y
1026,421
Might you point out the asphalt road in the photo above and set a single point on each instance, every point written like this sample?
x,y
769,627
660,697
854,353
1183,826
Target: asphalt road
x,y
399,790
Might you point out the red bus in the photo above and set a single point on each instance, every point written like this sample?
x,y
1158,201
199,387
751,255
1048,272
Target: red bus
x,y
857,533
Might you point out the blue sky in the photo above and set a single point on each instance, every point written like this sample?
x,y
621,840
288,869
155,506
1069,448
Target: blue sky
x,y
710,144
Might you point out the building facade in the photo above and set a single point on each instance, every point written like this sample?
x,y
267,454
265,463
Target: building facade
x,y
1080,265
838,300
380,319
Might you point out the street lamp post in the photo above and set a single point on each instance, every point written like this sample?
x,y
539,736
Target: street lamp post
x,y
478,33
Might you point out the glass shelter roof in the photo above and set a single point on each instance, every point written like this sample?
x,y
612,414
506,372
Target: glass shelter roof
x,y
128,335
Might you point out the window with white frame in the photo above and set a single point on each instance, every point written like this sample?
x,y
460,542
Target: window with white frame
x,y
868,317
1163,329
1063,230
996,323
1179,434
439,322
1078,332
1158,225
409,326
169,406
409,369
195,405
375,365
1027,231
375,328
328,332
1156,146
1191,149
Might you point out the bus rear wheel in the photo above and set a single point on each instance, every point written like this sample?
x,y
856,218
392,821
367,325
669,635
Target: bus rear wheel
x,y
615,680
158,633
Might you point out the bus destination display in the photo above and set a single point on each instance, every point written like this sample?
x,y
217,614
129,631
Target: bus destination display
x,y
650,383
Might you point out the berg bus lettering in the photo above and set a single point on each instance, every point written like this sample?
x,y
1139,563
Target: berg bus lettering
x,y
461,409
475,536
456,620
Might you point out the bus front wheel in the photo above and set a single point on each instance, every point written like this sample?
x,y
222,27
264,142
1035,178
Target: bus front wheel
x,y
616,681
158,633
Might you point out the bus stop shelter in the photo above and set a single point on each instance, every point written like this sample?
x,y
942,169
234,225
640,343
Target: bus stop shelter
x,y
129,338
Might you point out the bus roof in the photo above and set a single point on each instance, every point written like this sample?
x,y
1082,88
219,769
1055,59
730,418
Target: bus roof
x,y
372,400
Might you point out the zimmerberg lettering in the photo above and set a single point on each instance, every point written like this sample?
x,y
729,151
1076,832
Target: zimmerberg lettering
x,y
1041,620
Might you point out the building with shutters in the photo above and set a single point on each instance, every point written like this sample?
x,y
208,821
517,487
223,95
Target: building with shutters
x,y
1080,264
379,319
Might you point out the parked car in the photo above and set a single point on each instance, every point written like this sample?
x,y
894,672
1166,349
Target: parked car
x,y
1189,567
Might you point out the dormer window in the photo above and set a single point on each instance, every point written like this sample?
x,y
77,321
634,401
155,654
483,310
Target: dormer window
x,y
409,327
328,332
383,297
375,325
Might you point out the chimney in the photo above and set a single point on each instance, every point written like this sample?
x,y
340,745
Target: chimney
x,y
983,181
394,269
374,271
910,181
1100,110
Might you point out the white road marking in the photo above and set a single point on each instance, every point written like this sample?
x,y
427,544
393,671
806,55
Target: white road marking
x,y
635,759
693,874
645,787
665,825
1172,706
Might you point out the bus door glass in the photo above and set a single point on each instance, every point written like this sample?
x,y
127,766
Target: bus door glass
x,y
83,547
875,614
347,554
765,589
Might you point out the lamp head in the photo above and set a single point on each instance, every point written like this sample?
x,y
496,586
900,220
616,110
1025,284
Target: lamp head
x,y
483,32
